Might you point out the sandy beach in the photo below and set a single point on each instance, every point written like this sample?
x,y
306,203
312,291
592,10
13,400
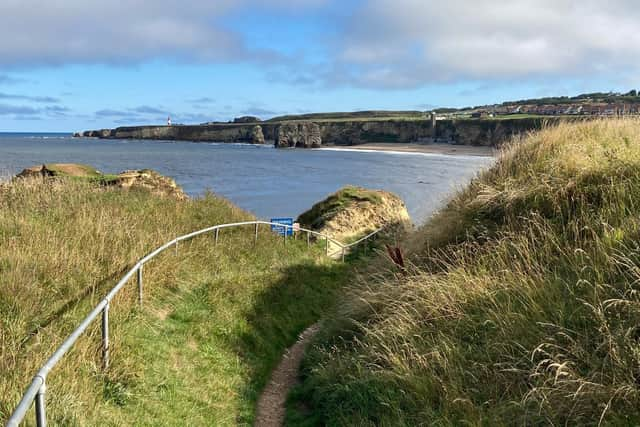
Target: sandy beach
x,y
449,149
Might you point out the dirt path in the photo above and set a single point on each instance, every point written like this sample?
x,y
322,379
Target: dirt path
x,y
271,405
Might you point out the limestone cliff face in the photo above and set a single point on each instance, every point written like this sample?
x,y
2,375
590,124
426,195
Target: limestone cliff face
x,y
308,134
487,132
252,134
361,132
463,132
298,134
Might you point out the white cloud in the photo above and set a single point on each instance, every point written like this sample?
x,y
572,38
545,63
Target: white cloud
x,y
383,43
402,43
45,32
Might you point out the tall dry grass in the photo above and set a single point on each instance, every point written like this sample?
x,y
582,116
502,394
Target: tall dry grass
x,y
521,306
63,245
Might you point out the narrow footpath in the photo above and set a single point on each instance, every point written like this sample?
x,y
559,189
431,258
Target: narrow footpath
x,y
272,403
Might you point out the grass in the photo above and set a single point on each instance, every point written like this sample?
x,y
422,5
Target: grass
x,y
64,170
215,322
353,116
208,349
520,304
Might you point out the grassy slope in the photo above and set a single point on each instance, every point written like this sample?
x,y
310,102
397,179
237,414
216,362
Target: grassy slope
x,y
521,307
215,322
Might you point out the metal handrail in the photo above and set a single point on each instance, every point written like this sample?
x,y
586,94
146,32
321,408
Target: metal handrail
x,y
37,389
367,237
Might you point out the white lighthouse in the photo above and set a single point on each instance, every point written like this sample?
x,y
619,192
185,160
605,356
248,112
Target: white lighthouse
x,y
169,121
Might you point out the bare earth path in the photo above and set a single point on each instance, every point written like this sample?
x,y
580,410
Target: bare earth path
x,y
271,405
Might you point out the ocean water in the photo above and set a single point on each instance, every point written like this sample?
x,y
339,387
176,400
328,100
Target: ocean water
x,y
261,179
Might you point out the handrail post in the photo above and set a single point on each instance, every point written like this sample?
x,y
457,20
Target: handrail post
x,y
343,254
308,239
140,285
255,241
176,248
216,238
284,236
105,337
41,415
326,244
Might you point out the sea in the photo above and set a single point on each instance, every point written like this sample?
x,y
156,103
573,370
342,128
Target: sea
x,y
266,181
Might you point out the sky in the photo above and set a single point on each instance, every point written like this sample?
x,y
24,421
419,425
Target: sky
x,y
70,65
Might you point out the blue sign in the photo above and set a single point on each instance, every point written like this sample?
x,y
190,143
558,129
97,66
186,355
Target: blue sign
x,y
282,230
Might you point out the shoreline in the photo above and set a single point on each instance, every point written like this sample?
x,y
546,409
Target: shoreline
x,y
415,148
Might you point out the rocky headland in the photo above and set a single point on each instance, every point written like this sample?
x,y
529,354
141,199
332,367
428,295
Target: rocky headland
x,y
339,132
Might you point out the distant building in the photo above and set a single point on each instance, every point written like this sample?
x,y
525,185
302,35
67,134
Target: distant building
x,y
169,121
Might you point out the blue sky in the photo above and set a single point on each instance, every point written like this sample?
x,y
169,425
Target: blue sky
x,y
85,64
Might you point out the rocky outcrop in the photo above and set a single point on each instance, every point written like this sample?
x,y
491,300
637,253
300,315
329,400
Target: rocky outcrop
x,y
298,135
354,211
146,179
149,180
257,137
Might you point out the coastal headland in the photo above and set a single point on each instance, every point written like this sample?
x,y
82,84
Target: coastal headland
x,y
314,131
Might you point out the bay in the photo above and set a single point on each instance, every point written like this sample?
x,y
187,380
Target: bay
x,y
266,181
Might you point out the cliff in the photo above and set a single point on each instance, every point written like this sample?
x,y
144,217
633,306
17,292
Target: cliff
x,y
232,132
490,132
312,134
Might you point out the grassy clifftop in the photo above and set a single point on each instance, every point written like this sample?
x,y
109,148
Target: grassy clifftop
x,y
520,306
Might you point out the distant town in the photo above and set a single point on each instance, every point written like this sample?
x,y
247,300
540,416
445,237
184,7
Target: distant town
x,y
590,104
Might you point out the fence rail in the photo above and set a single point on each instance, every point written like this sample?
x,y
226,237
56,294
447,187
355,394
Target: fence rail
x,y
36,392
